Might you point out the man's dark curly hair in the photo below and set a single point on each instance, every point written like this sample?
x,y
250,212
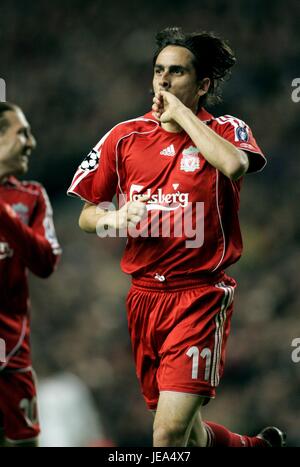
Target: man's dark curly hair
x,y
213,58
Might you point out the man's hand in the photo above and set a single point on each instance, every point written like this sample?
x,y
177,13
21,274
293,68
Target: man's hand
x,y
94,219
128,216
125,218
166,106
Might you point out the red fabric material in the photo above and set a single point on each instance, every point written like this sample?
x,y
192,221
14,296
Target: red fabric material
x,y
139,157
27,242
18,405
222,437
179,337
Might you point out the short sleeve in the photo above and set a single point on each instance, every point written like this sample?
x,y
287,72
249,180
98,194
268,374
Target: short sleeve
x,y
240,135
42,220
95,180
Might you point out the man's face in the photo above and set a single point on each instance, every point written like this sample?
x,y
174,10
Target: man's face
x,y
174,72
16,144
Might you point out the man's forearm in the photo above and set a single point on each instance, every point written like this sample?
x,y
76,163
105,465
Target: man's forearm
x,y
220,153
93,219
34,249
90,217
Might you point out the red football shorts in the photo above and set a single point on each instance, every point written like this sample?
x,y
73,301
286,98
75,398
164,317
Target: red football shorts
x,y
179,333
18,405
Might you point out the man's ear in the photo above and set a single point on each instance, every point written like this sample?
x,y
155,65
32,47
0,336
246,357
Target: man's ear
x,y
204,86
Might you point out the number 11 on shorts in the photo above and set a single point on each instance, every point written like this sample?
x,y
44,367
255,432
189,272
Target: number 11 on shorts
x,y
194,353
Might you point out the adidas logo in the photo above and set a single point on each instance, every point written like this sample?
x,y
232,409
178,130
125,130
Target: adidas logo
x,y
169,151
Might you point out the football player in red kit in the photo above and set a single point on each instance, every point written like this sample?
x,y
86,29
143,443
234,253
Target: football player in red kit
x,y
27,242
177,172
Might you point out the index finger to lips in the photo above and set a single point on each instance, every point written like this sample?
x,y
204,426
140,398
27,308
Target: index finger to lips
x,y
159,97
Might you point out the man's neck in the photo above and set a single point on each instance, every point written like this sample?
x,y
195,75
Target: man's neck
x,y
3,177
171,127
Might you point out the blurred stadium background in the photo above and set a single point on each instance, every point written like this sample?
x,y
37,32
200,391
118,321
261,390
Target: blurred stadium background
x,y
79,67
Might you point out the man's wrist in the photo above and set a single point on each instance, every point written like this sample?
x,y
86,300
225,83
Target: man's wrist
x,y
183,113
107,221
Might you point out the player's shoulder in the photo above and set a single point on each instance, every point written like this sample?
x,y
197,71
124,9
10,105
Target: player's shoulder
x,y
139,124
31,186
234,126
229,120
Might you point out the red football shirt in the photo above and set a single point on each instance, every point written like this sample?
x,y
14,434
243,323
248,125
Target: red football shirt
x,y
193,208
27,241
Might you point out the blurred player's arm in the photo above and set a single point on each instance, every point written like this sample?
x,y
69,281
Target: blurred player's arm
x,y
220,153
35,244
94,219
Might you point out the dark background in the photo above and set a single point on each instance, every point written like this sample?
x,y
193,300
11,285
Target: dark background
x,y
79,67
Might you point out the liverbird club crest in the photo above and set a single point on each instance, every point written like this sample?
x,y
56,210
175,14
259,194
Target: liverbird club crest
x,y
190,159
22,212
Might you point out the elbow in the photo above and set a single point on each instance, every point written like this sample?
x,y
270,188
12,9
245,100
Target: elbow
x,y
45,271
49,266
237,173
238,168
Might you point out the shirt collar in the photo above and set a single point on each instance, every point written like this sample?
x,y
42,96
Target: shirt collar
x,y
204,115
11,180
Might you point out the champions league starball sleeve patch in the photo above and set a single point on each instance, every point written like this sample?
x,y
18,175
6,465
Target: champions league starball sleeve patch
x,y
242,133
91,161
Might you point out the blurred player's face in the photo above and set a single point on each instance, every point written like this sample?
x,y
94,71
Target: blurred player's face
x,y
174,72
16,144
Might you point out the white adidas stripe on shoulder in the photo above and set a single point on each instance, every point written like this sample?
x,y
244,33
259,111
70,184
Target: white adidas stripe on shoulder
x,y
234,121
